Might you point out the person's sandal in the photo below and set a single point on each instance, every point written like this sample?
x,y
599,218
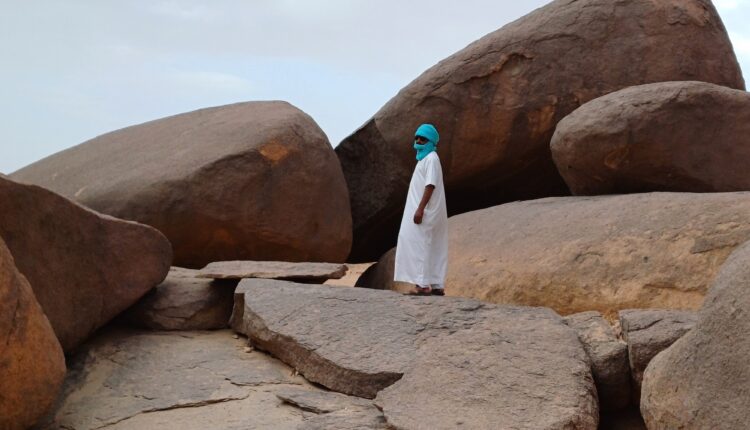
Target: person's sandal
x,y
419,291
437,292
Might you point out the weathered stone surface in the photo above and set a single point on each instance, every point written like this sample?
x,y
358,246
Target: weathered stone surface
x,y
668,136
184,302
299,272
703,379
223,183
333,411
649,332
496,103
85,268
498,366
128,380
576,254
609,358
32,365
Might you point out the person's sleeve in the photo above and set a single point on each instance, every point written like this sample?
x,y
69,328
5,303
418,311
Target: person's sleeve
x,y
434,174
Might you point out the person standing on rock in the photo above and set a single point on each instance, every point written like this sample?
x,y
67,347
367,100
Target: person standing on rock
x,y
422,250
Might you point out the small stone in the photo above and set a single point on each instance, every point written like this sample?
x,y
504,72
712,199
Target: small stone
x,y
249,349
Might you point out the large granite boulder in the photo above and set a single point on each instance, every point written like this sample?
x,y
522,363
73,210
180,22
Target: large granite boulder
x,y
248,181
703,380
429,362
609,359
649,332
496,103
133,380
607,253
184,302
668,136
85,268
32,365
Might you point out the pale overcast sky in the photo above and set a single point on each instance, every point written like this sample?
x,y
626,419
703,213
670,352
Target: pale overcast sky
x,y
72,70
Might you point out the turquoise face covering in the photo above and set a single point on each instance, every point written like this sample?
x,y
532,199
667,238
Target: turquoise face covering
x,y
424,150
429,132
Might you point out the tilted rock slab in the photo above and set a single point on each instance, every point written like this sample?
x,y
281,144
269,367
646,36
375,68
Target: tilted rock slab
x,y
607,253
85,268
649,332
298,272
32,365
496,103
703,379
667,136
429,362
609,358
184,302
222,183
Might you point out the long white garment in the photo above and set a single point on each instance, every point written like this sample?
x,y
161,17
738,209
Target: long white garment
x,y
422,250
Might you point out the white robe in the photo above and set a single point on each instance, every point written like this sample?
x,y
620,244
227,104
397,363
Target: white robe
x,y
422,250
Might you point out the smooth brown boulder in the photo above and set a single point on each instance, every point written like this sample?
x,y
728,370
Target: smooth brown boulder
x,y
85,268
609,359
430,362
32,365
649,332
496,103
299,272
184,302
668,136
247,181
703,380
607,253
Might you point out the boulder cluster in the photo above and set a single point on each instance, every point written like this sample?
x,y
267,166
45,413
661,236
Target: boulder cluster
x,y
177,274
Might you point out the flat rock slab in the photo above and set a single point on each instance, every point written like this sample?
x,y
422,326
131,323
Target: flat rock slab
x,y
609,358
300,272
651,331
184,302
462,361
129,380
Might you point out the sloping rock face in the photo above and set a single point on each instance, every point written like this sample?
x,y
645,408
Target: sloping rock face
x,y
429,362
133,380
184,302
298,272
668,136
576,254
703,379
609,359
649,332
223,183
32,365
496,103
85,268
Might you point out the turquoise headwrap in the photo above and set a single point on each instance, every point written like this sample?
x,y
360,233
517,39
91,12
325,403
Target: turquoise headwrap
x,y
429,132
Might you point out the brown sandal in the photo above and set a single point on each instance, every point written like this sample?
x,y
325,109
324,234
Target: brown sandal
x,y
419,291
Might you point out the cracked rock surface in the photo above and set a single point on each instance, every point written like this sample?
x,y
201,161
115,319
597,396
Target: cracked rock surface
x,y
480,365
649,332
184,302
299,272
127,380
609,358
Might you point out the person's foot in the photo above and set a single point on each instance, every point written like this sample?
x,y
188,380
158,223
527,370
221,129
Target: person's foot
x,y
420,291
437,292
